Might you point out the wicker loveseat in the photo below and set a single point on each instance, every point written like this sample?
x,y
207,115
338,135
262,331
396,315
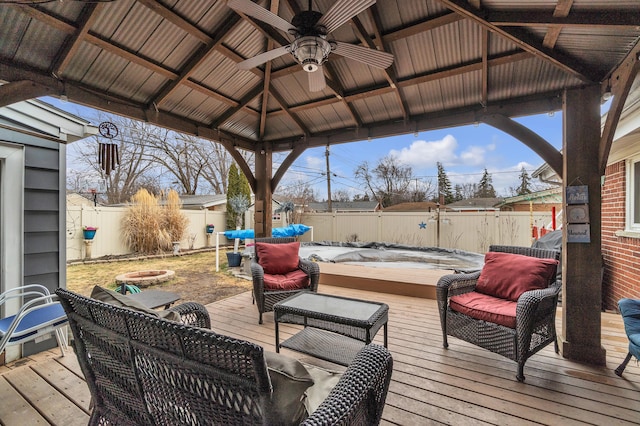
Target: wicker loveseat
x,y
516,323
267,291
146,370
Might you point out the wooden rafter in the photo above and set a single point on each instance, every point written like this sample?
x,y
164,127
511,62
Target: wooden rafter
x,y
621,81
88,17
562,9
525,41
590,19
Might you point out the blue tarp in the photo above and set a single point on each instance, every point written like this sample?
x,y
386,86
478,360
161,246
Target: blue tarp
x,y
289,231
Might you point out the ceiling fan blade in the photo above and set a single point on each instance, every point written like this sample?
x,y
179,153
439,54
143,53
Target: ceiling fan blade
x,y
250,8
317,81
342,11
263,57
373,57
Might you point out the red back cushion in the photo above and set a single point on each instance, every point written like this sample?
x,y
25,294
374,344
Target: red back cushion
x,y
507,275
278,258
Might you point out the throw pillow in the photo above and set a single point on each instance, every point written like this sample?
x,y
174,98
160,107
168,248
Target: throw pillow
x,y
289,380
117,299
508,275
278,258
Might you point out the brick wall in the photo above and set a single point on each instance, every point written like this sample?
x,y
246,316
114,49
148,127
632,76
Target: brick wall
x,y
621,254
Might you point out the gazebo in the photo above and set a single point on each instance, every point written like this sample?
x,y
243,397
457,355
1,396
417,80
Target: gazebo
x,y
175,63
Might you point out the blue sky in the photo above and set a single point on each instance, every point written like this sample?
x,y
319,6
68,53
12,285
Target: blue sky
x,y
464,152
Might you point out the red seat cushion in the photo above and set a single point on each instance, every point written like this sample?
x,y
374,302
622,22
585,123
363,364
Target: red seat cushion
x,y
507,275
294,280
278,258
484,307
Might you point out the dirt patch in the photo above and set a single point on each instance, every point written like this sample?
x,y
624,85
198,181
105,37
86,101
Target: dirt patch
x,y
196,279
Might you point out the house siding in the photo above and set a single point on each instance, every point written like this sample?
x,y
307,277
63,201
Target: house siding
x,y
42,224
621,255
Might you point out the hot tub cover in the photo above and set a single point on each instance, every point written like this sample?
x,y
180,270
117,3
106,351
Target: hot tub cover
x,y
288,231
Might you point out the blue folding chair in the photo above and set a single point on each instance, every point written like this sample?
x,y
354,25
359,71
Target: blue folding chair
x,y
38,317
630,311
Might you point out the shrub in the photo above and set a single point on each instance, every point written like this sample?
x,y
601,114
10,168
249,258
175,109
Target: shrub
x,y
142,224
175,222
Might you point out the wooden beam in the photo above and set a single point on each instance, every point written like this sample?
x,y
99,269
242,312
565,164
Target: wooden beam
x,y
423,26
88,17
528,137
197,59
286,163
525,41
621,82
22,90
562,9
629,19
527,105
246,99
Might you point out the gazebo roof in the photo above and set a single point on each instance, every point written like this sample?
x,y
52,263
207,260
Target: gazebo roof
x,y
174,63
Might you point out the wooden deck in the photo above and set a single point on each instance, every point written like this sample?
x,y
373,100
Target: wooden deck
x,y
430,385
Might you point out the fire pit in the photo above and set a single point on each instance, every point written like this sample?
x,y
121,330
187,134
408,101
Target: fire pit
x,y
145,278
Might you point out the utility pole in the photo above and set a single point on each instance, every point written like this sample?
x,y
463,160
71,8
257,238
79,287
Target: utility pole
x,y
329,208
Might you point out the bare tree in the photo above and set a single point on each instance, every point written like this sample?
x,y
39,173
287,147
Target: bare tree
x,y
182,157
216,169
340,196
389,181
134,171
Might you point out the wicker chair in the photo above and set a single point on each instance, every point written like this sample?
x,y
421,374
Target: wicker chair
x,y
535,315
265,298
144,370
630,311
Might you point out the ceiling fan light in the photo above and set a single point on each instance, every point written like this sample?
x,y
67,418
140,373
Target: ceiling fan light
x,y
310,52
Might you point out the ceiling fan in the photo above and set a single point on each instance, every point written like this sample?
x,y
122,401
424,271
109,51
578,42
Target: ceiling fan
x,y
310,46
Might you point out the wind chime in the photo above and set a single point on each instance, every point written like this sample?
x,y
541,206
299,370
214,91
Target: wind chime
x,y
108,155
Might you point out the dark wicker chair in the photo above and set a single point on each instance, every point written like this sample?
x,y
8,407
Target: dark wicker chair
x,y
264,298
143,370
535,315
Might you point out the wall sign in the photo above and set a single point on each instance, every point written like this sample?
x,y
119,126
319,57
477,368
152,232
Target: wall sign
x,y
577,214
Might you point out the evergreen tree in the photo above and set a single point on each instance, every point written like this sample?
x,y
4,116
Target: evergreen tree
x,y
457,196
245,191
525,181
485,187
444,185
233,189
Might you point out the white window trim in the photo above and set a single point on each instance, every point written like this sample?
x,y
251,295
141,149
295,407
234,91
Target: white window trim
x,y
630,226
11,227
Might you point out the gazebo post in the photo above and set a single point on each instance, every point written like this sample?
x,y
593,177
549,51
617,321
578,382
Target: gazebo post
x,y
580,338
263,220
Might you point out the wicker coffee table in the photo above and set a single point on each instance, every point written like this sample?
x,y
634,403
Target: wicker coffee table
x,y
335,328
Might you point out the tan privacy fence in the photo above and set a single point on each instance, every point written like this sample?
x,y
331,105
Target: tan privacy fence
x,y
471,231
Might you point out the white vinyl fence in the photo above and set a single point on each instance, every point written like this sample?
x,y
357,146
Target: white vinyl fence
x,y
471,231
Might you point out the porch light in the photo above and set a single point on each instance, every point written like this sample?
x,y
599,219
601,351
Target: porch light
x,y
310,52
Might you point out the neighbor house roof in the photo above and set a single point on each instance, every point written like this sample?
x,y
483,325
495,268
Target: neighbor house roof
x,y
196,202
423,206
547,196
38,117
475,204
358,206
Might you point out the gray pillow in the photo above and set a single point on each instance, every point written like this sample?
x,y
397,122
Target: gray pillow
x,y
117,299
289,379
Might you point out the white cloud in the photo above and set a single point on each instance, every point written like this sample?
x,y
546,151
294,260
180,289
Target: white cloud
x,y
315,162
427,153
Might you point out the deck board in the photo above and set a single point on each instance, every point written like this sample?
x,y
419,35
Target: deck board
x,y
463,384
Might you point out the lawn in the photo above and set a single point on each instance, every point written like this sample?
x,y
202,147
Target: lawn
x,y
195,280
